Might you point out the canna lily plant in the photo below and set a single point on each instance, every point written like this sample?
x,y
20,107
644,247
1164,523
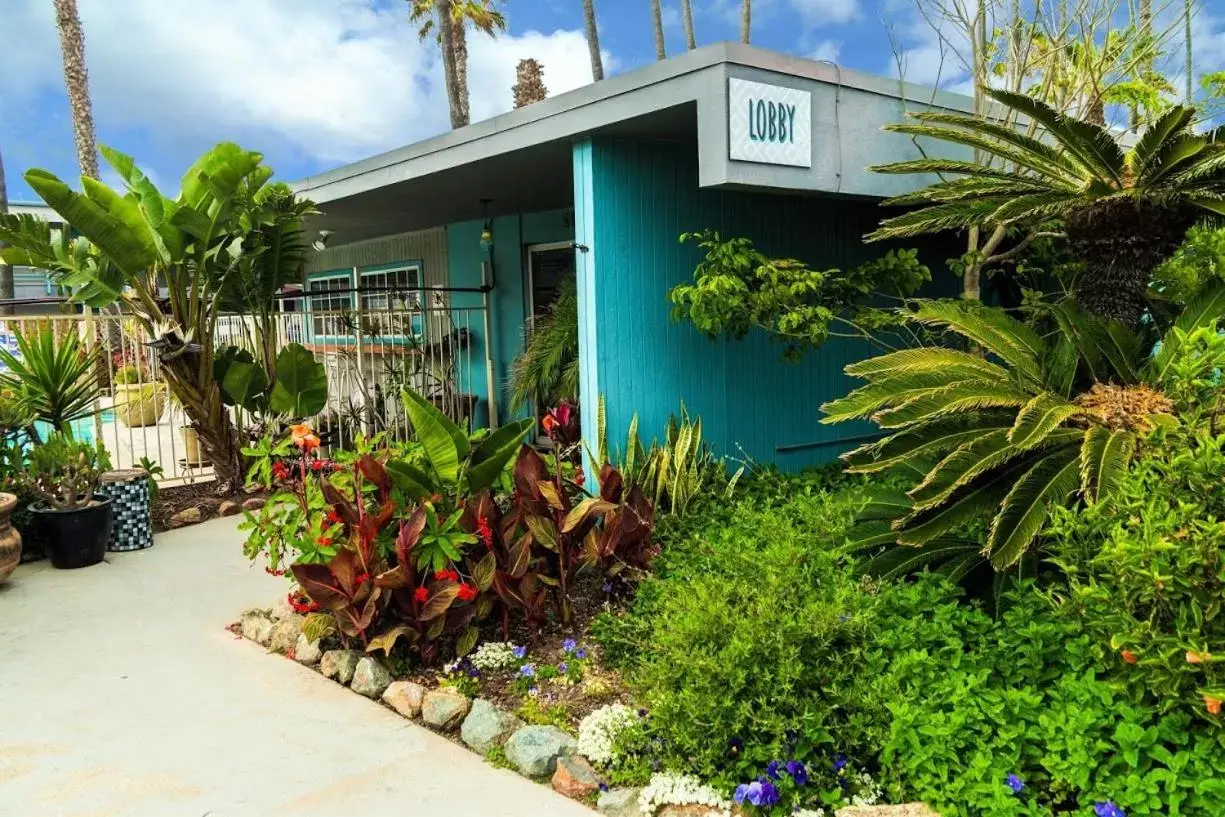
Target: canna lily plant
x,y
1038,421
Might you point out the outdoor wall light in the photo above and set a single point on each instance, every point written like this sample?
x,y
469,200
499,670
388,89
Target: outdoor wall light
x,y
487,230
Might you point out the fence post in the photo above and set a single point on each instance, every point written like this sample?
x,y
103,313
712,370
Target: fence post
x,y
491,376
358,331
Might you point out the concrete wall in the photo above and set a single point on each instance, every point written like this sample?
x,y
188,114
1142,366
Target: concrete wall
x,y
632,201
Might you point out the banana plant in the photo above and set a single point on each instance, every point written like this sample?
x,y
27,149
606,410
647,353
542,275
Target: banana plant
x,y
1037,421
454,464
295,387
125,248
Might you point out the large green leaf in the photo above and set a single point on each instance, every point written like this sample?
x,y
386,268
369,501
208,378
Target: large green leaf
x,y
1104,458
444,443
980,498
243,381
952,556
1050,481
1039,418
301,388
935,437
495,452
1000,334
412,480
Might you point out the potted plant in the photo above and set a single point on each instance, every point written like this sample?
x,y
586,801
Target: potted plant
x,y
72,520
137,403
10,539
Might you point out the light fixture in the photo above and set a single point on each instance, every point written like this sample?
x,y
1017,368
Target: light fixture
x,y
320,244
487,230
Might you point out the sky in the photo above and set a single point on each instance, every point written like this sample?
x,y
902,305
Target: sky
x,y
314,84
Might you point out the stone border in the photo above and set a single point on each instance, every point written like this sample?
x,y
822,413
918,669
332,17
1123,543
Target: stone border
x,y
538,753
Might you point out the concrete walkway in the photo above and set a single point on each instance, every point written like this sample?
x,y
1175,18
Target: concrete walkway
x,y
122,694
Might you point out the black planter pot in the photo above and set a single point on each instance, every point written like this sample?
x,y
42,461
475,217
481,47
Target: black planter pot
x,y
74,538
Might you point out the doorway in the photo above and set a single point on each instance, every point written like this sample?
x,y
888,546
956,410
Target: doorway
x,y
549,266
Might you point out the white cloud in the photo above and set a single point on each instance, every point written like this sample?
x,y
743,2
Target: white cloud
x,y
826,51
825,12
335,79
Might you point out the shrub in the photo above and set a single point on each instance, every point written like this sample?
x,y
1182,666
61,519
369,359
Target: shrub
x,y
1024,696
753,640
1146,574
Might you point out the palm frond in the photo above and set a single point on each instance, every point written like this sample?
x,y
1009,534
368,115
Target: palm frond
x,y
1073,174
1206,309
1001,151
1039,418
1173,121
993,329
1051,480
1104,458
1090,145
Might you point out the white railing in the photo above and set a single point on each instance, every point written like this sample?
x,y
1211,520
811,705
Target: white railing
x,y
370,353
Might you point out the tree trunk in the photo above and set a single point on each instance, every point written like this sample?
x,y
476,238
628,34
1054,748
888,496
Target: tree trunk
x,y
450,70
459,35
1189,10
657,21
746,19
7,290
76,82
593,40
691,40
210,418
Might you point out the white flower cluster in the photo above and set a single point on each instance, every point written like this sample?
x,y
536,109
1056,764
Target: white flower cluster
x,y
681,790
808,812
868,791
598,732
493,656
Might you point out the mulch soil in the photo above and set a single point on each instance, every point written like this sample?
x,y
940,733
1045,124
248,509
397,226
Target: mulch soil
x,y
202,495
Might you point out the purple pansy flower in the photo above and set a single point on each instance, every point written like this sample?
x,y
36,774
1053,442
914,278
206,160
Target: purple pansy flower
x,y
769,794
520,652
1108,809
752,792
839,763
1015,784
580,653
569,645
742,791
527,671
798,773
562,668
774,769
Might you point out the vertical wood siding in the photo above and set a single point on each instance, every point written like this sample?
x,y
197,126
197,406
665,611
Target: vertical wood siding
x,y
638,197
427,246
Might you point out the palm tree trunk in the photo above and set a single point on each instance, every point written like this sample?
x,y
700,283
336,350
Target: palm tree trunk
x,y
7,290
593,40
459,35
691,40
657,20
76,82
1188,12
450,70
746,19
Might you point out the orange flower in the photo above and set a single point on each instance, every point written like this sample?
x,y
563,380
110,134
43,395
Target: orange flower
x,y
1198,657
1212,704
303,437
549,422
1129,657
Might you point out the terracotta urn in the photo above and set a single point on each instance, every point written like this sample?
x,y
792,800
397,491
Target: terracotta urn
x,y
10,539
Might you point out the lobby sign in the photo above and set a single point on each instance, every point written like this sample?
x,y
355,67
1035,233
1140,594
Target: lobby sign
x,y
769,123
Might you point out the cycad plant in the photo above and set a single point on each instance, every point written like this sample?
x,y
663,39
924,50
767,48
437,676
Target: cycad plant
x,y
1124,210
1038,421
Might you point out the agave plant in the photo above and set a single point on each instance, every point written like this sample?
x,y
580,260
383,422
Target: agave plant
x,y
53,378
1124,210
1008,435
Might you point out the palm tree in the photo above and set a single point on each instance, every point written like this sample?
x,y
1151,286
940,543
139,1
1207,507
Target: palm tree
x,y
657,20
1124,211
746,19
1188,10
593,40
7,290
452,18
691,40
76,81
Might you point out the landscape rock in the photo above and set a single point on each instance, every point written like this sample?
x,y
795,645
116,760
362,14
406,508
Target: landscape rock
x,y
692,810
257,627
253,504
370,678
906,810
281,609
306,651
575,778
285,634
229,508
405,697
619,803
534,750
444,708
187,516
339,664
487,726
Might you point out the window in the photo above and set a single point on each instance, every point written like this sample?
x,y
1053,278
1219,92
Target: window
x,y
391,301
327,309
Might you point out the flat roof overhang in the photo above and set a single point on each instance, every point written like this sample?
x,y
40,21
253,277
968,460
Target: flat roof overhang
x,y
521,161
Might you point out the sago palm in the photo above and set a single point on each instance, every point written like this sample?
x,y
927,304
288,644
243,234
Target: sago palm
x,y
1124,210
1010,435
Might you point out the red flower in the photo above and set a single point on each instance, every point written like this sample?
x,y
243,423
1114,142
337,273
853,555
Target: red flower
x,y
333,517
362,578
324,540
467,592
579,477
280,471
274,572
301,603
549,422
446,575
421,594
484,531
1129,657
317,466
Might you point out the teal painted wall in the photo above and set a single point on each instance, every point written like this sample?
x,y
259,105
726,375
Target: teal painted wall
x,y
632,201
512,235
